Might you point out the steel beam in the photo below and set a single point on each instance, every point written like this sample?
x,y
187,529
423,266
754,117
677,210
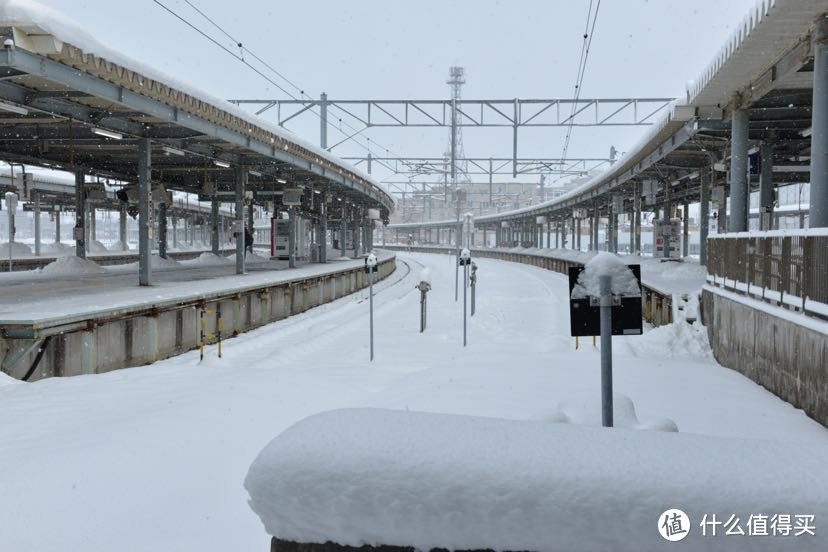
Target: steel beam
x,y
739,186
144,210
240,175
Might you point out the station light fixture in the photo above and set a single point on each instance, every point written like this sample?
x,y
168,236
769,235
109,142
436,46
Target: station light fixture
x,y
222,164
281,181
255,173
11,108
172,151
805,133
107,133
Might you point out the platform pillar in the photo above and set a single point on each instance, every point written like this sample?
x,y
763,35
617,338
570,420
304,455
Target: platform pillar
x,y
144,214
819,129
162,230
80,215
323,228
36,198
739,192
343,227
238,231
292,236
704,212
766,186
57,226
122,227
685,241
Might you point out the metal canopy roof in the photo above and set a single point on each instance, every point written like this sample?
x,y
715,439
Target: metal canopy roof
x,y
69,96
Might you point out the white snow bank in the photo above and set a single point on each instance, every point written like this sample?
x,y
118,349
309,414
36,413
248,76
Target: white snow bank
x,y
370,476
623,280
118,246
71,265
57,249
95,246
425,275
17,249
206,259
678,339
6,379
583,407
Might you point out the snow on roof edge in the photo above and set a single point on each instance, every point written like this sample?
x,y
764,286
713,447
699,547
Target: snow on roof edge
x,y
31,16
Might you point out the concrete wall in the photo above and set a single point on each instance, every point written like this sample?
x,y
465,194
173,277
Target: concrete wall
x,y
141,339
787,359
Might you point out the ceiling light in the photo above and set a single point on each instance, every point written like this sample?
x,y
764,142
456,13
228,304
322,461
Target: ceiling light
x,y
317,191
13,108
281,181
805,133
173,151
108,133
221,164
255,173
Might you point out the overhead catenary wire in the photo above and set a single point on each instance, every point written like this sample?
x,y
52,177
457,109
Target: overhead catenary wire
x,y
240,58
589,33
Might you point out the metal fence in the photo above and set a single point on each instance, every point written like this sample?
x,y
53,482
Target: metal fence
x,y
789,269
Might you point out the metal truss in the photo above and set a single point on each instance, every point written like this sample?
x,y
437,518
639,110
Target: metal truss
x,y
491,166
476,113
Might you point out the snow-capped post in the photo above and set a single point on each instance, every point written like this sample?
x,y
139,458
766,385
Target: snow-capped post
x,y
424,286
11,205
472,283
371,268
605,300
465,260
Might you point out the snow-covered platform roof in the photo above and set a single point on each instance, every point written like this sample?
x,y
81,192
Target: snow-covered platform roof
x,y
60,88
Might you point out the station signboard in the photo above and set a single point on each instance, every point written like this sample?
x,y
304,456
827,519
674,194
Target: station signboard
x,y
585,314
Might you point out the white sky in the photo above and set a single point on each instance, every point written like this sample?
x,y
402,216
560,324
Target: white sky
x,y
394,50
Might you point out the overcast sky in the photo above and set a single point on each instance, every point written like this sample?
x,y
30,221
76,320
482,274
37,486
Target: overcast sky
x,y
395,50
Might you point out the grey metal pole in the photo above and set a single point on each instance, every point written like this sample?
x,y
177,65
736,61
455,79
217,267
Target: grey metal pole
x,y
704,213
605,283
343,231
80,214
292,236
371,306
174,222
36,197
453,141
685,233
144,210
637,219
323,229
457,232
819,129
323,120
766,186
162,230
739,192
57,226
465,293
241,185
122,227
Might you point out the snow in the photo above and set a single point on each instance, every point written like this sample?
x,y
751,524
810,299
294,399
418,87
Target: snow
x,y
94,247
425,275
57,249
168,446
371,476
206,259
773,233
8,380
622,280
18,250
118,246
63,266
28,13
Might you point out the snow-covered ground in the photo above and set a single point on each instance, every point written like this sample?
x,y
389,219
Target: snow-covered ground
x,y
154,458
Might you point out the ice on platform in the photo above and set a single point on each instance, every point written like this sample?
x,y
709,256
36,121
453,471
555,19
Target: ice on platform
x,y
373,476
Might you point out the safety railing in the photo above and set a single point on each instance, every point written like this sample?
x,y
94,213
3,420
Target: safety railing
x,y
785,267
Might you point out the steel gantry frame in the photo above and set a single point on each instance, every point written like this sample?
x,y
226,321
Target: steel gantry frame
x,y
482,113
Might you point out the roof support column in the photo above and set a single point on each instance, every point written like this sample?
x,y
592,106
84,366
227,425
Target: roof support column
x,y
611,227
323,228
122,227
144,210
238,230
292,236
578,233
214,224
685,234
739,187
704,212
766,186
80,215
819,129
162,230
36,198
636,237
57,226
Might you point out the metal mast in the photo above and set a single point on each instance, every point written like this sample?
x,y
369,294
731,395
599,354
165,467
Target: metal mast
x,y
457,158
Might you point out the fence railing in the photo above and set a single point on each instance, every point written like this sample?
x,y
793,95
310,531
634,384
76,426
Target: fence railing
x,y
789,268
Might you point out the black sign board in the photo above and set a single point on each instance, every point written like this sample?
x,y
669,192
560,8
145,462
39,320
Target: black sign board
x,y
585,319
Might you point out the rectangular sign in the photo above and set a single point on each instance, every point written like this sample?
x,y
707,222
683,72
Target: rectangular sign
x,y
585,319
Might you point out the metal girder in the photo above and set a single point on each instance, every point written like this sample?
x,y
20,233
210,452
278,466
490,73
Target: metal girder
x,y
484,166
477,113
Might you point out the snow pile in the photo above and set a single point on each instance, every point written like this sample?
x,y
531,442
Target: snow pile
x,y
72,265
606,264
119,246
679,339
57,249
6,379
17,249
583,407
94,246
371,476
425,275
157,261
207,259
